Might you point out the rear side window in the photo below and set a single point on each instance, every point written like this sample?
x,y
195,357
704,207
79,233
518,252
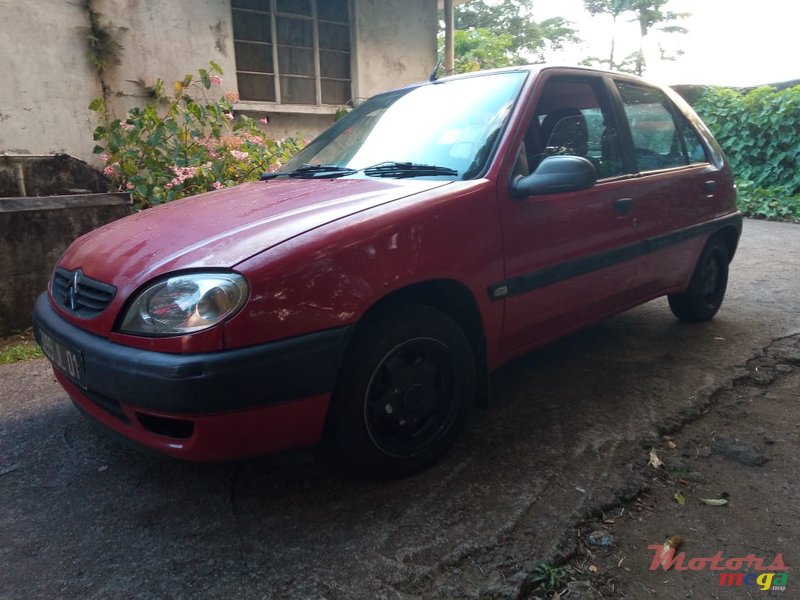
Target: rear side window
x,y
662,136
694,147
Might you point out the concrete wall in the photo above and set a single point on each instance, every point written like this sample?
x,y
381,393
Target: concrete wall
x,y
48,83
168,40
33,234
53,175
395,44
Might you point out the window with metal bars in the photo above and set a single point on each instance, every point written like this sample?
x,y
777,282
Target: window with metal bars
x,y
293,51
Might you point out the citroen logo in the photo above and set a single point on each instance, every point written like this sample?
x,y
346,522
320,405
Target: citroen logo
x,y
72,290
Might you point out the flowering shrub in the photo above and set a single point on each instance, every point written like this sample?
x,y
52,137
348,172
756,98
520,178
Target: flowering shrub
x,y
184,143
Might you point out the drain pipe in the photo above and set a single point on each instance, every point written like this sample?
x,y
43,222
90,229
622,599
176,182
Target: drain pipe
x,y
21,181
449,45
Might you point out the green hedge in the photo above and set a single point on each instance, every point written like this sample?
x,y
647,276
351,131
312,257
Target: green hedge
x,y
760,132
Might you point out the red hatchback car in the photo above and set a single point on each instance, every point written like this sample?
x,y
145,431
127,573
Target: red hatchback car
x,y
361,295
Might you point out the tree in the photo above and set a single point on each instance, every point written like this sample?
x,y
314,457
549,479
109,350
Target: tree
x,y
615,8
479,48
648,14
504,34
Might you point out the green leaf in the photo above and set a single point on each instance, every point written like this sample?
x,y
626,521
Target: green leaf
x,y
205,78
128,169
156,137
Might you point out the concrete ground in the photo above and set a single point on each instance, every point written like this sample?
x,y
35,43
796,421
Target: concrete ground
x,y
567,436
727,488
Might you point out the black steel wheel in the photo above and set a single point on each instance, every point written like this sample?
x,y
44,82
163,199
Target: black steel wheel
x,y
402,398
703,298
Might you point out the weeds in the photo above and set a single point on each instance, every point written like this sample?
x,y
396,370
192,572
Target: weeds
x,y
17,352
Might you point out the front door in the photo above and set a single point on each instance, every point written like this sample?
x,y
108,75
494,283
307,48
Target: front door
x,y
565,263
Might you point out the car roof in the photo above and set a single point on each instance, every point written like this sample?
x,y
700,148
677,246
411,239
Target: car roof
x,y
530,68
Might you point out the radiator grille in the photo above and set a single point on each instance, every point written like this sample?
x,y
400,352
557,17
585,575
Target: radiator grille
x,y
79,294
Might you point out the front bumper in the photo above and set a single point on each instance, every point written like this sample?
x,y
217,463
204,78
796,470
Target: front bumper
x,y
210,406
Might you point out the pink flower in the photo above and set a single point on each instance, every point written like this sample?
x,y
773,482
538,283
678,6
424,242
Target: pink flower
x,y
127,126
217,185
104,157
168,186
111,170
182,174
228,116
129,186
239,155
265,120
216,80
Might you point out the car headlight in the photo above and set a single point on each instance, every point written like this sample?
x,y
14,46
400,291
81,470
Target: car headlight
x,y
185,303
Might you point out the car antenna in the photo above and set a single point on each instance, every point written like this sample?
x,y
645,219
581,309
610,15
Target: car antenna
x,y
436,68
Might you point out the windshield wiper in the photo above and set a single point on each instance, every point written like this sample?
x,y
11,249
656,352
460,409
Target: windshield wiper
x,y
406,169
308,171
394,169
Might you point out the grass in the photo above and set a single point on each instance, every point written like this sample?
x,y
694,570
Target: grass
x,y
19,347
549,578
18,352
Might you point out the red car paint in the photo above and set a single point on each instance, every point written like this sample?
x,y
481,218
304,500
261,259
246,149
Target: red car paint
x,y
224,436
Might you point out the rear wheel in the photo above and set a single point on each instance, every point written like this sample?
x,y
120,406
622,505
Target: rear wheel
x,y
702,299
402,399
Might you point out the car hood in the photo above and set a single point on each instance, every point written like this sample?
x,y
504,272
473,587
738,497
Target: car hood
x,y
225,227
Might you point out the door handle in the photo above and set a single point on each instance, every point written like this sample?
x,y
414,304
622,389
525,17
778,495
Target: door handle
x,y
624,205
709,187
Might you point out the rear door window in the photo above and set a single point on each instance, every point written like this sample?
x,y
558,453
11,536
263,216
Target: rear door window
x,y
662,136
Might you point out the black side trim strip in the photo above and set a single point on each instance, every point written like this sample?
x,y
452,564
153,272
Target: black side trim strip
x,y
550,275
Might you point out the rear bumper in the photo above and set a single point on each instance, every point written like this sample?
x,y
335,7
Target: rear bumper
x,y
209,406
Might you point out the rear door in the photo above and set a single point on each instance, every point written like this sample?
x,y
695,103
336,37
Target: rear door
x,y
676,183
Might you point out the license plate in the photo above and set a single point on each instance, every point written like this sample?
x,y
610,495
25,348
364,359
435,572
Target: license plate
x,y
64,357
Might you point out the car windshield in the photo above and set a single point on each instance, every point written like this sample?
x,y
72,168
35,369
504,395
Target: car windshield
x,y
446,129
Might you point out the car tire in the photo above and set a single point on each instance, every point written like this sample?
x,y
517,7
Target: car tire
x,y
703,298
402,398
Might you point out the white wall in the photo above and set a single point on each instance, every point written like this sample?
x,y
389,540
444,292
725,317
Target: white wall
x,y
48,82
168,40
395,44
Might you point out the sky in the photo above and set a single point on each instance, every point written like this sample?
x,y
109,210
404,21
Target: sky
x,y
730,42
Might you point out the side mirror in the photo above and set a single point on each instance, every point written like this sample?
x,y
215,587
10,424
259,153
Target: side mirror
x,y
554,175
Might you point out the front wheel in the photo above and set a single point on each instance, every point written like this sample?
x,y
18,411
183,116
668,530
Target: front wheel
x,y
702,299
404,391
